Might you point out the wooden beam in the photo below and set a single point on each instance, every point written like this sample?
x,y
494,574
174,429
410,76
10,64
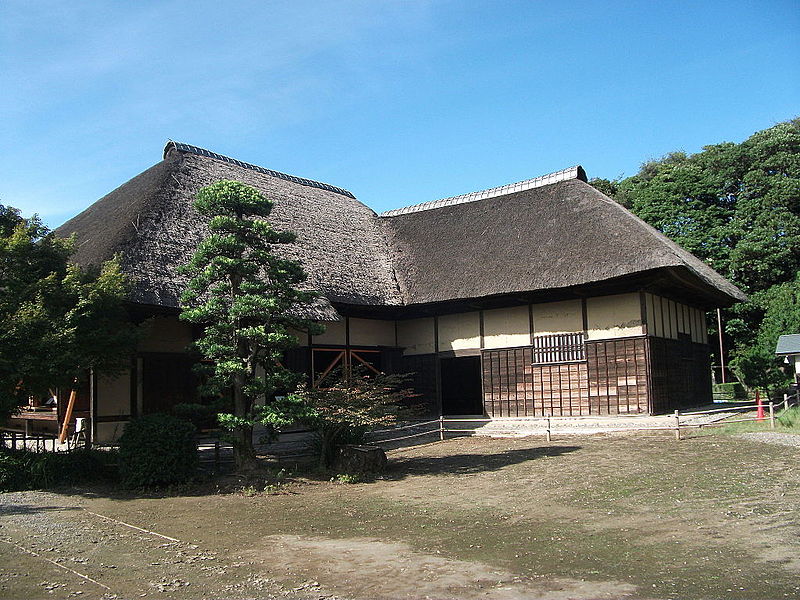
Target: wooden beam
x,y
68,415
354,354
336,360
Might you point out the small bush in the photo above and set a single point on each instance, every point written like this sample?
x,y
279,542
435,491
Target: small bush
x,y
790,418
346,478
729,392
202,416
25,470
157,450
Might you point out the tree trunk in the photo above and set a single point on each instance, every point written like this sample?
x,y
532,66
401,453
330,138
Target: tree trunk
x,y
244,453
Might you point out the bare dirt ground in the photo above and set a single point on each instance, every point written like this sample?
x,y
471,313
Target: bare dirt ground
x,y
601,517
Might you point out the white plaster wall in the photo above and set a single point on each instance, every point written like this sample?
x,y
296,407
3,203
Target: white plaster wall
x,y
506,327
558,317
704,327
460,332
653,316
114,395
697,335
335,334
677,318
416,336
165,334
300,336
684,324
614,316
109,432
371,332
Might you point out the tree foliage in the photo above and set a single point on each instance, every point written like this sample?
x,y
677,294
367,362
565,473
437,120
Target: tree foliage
x,y
349,405
737,207
56,319
247,301
156,450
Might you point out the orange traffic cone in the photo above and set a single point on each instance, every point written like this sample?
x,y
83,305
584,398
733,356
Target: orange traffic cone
x,y
760,411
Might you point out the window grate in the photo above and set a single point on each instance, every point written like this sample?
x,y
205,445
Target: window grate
x,y
559,348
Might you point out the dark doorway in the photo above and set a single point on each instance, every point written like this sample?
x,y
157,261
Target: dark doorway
x,y
461,386
167,379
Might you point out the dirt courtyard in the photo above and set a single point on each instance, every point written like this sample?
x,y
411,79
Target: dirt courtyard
x,y
600,517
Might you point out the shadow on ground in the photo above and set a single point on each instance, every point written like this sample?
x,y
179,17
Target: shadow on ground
x,y
465,464
6,510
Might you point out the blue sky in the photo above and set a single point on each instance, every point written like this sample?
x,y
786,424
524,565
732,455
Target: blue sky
x,y
399,102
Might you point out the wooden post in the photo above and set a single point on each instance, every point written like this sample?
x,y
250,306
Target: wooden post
x,y
548,432
786,402
677,425
772,415
67,416
721,349
441,428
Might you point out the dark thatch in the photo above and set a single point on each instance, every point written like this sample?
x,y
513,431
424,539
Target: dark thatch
x,y
150,222
552,237
547,236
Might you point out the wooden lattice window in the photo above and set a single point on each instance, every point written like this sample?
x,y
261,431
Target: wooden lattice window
x,y
326,360
559,348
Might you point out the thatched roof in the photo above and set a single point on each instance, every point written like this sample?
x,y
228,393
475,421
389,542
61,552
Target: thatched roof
x,y
150,221
549,233
545,237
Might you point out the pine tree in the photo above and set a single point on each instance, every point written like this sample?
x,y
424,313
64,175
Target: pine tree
x,y
246,300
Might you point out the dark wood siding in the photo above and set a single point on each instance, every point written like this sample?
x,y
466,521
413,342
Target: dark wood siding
x,y
422,368
618,376
612,380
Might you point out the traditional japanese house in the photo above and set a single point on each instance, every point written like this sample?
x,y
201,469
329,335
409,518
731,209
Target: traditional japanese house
x,y
542,297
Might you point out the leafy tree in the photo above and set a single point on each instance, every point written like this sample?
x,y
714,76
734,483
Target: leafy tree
x,y
756,363
349,405
56,320
736,206
245,298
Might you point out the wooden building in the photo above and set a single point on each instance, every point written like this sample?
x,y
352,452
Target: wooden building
x,y
542,297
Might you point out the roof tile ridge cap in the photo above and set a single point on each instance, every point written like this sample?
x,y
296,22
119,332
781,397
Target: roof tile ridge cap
x,y
674,248
575,172
197,150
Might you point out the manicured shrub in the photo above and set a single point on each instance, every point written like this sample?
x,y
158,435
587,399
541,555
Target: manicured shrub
x,y
730,392
202,416
25,470
157,450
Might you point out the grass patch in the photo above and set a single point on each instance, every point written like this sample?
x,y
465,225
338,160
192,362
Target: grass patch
x,y
786,421
25,470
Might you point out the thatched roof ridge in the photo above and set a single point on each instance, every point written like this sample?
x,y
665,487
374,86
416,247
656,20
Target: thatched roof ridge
x,y
575,172
551,237
181,147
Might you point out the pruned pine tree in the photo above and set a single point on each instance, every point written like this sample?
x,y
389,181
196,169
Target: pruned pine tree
x,y
246,300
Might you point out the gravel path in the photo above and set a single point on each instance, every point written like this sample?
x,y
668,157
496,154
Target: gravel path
x,y
773,437
51,547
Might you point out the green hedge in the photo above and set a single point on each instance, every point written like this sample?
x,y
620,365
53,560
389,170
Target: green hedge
x,y
730,391
157,450
25,470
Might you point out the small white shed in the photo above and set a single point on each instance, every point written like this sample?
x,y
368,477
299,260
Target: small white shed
x,y
789,347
